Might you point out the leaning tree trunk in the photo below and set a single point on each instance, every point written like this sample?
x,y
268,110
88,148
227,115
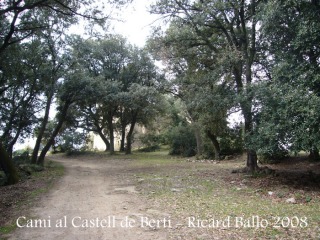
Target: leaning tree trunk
x,y
104,139
215,143
130,133
13,141
199,141
42,129
8,167
54,133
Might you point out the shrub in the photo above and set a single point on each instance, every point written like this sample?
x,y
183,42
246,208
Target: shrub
x,y
71,141
21,156
273,155
182,141
151,142
231,142
3,178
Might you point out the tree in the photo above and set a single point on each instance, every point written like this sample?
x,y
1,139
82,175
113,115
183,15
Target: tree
x,y
144,106
103,61
71,91
226,31
141,100
52,69
7,165
291,35
19,102
19,98
124,80
20,20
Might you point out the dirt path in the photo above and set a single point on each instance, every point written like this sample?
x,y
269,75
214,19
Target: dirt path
x,y
94,200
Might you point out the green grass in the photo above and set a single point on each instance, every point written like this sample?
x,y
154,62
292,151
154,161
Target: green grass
x,y
53,170
47,178
7,229
205,190
207,195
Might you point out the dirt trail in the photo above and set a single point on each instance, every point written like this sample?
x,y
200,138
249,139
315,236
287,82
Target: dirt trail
x,y
92,201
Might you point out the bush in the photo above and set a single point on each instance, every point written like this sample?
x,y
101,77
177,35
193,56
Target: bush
x,y
182,141
20,152
21,156
150,149
232,143
151,141
3,178
274,155
71,141
30,168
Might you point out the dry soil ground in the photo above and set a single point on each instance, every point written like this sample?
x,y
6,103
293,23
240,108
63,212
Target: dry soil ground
x,y
94,200
152,196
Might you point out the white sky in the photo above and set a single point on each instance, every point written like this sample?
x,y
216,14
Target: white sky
x,y
137,21
133,22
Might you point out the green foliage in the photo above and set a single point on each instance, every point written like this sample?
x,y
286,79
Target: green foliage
x,y
151,142
288,118
272,155
71,140
181,140
3,178
216,59
22,20
21,156
210,49
122,90
19,93
232,141
28,168
21,152
8,228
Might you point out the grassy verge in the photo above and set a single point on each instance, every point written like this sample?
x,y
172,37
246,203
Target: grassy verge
x,y
25,194
208,202
204,200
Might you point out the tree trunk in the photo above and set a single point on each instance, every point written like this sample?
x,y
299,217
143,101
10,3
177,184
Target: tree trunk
x,y
199,141
13,142
314,154
130,133
249,53
252,159
42,129
54,134
123,137
111,133
8,167
123,129
252,163
215,143
104,139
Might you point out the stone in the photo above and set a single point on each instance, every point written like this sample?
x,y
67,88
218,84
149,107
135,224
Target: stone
x,y
291,200
175,190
